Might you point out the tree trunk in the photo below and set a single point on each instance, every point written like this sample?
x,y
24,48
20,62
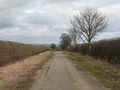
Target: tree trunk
x,y
89,46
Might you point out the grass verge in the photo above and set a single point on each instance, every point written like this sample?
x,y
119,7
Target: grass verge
x,y
19,76
105,72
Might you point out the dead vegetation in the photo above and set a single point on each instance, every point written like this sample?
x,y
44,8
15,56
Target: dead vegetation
x,y
15,76
13,51
106,50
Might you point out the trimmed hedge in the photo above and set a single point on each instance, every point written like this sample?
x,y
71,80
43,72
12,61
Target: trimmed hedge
x,y
105,49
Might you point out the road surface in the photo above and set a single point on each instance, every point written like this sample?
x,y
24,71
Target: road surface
x,y
61,74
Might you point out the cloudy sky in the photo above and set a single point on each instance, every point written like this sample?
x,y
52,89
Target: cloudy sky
x,y
43,21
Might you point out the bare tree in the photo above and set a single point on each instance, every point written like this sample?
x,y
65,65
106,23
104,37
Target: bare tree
x,y
88,23
65,41
73,33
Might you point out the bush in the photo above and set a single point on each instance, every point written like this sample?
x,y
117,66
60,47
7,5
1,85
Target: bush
x,y
12,51
105,49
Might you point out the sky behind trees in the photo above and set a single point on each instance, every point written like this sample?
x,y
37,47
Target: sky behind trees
x,y
43,21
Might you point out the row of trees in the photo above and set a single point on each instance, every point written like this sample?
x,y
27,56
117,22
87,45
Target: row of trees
x,y
85,26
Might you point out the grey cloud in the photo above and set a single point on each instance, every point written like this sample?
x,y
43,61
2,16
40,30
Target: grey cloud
x,y
43,19
7,21
47,19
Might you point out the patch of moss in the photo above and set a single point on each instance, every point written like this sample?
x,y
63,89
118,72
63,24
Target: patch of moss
x,y
1,82
47,53
16,87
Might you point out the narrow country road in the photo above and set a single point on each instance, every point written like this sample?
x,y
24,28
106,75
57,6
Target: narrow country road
x,y
60,74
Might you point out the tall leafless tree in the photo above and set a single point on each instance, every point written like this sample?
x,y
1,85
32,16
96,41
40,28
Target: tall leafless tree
x,y
73,33
88,23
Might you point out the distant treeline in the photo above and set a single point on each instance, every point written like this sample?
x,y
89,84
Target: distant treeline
x,y
108,50
12,51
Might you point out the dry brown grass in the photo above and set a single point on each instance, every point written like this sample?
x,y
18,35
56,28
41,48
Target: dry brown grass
x,y
12,51
12,77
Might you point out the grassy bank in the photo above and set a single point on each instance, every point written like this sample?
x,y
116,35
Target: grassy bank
x,y
107,73
13,51
19,76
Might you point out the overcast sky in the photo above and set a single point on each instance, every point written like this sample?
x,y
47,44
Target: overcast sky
x,y
43,21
